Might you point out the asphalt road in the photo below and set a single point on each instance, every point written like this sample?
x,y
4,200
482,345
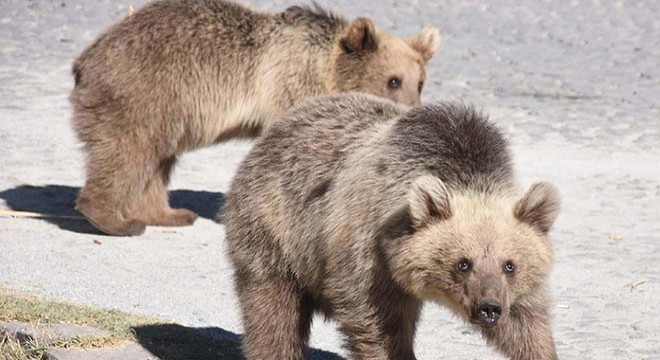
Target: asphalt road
x,y
574,84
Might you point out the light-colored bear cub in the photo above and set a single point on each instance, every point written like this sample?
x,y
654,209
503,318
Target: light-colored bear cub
x,y
362,209
184,74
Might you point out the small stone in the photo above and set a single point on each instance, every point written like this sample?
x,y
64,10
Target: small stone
x,y
123,352
24,332
614,237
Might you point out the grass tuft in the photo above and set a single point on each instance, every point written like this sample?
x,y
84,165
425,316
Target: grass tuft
x,y
19,307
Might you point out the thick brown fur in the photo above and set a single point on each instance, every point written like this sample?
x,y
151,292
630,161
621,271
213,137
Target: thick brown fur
x,y
362,209
179,75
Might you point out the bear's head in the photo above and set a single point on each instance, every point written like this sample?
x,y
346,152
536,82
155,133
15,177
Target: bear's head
x,y
476,253
368,60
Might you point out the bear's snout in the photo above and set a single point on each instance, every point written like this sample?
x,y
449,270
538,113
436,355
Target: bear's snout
x,y
488,312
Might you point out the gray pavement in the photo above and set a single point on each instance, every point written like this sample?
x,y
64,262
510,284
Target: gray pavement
x,y
574,84
121,352
49,333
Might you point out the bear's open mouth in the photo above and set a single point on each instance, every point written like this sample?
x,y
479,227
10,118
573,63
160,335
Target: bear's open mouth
x,y
486,320
488,323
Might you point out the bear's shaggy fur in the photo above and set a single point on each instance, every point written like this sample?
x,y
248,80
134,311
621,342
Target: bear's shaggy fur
x,y
179,75
360,208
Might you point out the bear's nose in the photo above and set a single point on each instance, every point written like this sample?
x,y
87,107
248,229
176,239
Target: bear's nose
x,y
489,312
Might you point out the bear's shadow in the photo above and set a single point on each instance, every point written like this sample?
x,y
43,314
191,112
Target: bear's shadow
x,y
58,201
176,342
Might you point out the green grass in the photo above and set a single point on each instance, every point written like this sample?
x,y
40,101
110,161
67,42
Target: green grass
x,y
19,307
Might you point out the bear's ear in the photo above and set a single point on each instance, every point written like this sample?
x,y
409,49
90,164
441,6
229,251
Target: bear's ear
x,y
426,42
539,207
359,37
428,200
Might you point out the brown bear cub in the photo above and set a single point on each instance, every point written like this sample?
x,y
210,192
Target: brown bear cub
x,y
361,209
183,74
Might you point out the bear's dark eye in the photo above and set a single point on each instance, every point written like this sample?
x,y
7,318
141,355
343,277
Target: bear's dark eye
x,y
394,83
420,86
464,265
509,267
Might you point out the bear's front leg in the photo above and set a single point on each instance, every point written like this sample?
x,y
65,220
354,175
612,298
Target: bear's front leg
x,y
379,331
526,334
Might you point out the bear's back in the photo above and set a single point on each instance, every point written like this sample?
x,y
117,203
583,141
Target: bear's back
x,y
304,148
452,141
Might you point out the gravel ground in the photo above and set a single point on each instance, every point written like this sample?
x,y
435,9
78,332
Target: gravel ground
x,y
574,84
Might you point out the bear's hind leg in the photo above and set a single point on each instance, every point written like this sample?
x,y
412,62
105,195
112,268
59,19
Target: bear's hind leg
x,y
153,208
277,316
116,176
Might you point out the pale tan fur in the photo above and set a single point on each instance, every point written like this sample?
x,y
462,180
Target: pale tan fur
x,y
179,75
394,58
488,230
362,209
